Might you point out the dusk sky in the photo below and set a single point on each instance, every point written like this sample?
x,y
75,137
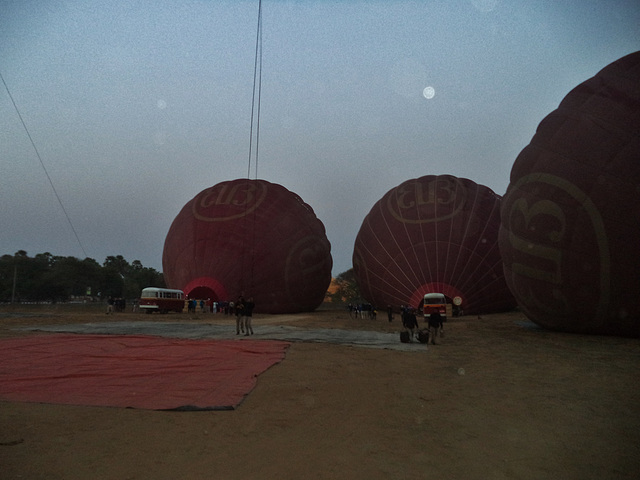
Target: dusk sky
x,y
135,107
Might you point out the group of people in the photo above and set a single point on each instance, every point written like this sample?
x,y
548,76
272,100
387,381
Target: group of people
x,y
244,313
211,306
192,306
116,305
434,320
360,310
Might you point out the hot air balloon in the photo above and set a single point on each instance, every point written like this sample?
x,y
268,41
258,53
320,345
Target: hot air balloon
x,y
251,238
570,235
433,234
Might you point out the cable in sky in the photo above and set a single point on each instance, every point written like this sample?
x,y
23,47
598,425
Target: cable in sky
x,y
257,90
255,110
43,167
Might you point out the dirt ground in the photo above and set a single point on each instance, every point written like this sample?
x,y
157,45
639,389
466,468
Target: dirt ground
x,y
497,399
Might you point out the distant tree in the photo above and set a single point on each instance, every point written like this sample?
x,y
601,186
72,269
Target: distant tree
x,y
20,276
45,258
136,265
29,273
73,277
140,277
7,269
111,283
56,279
117,263
91,275
347,291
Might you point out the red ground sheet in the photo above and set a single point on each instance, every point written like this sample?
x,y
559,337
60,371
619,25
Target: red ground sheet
x,y
148,372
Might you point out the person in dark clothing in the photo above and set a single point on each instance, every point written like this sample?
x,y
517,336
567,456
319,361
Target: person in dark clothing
x,y
435,326
410,322
239,307
248,313
390,312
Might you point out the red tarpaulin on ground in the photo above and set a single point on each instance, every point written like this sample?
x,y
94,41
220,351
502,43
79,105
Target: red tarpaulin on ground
x,y
133,370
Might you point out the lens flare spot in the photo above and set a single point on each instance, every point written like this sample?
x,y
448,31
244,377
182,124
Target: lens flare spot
x,y
428,93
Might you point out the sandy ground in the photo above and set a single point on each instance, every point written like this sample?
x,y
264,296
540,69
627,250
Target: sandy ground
x,y
497,399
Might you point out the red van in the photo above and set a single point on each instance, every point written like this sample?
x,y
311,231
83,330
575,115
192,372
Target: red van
x,y
435,302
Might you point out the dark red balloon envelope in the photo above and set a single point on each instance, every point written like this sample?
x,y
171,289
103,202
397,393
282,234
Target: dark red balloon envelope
x,y
433,234
570,235
251,238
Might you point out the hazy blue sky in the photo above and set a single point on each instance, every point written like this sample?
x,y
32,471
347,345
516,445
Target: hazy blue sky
x,y
135,107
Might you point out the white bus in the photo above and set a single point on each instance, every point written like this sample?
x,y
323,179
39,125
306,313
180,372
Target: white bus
x,y
163,300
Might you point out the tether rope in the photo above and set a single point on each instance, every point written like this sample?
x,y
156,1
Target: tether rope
x,y
255,121
24,125
257,88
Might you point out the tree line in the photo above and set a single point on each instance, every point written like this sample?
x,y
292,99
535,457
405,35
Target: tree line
x,y
51,278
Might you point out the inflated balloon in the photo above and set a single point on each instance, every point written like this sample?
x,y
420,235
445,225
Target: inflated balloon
x,y
433,234
570,235
251,238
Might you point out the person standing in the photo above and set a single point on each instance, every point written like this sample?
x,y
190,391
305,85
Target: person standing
x,y
390,313
248,315
110,305
435,326
410,322
239,306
